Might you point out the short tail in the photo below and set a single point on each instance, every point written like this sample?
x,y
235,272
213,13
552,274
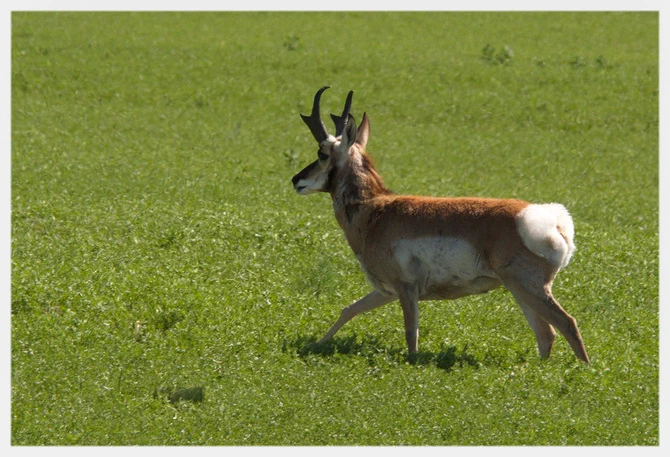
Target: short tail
x,y
547,230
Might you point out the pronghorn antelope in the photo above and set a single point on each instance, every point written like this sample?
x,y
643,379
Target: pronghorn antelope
x,y
426,248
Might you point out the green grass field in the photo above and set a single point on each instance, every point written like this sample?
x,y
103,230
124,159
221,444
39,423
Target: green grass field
x,y
157,243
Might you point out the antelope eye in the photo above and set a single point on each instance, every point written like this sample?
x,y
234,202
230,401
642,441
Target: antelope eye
x,y
322,156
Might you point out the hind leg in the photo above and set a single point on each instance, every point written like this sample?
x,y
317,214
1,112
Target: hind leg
x,y
541,302
544,333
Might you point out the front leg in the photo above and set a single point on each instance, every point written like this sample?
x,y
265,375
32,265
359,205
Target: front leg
x,y
409,300
371,301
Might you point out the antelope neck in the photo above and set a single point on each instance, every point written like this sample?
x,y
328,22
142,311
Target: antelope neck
x,y
353,189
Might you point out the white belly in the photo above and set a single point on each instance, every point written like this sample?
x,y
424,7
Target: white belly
x,y
443,267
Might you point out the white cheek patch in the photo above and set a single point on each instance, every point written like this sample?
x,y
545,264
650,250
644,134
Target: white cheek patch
x,y
311,184
317,178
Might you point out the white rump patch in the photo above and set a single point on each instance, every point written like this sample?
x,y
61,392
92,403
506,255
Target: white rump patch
x,y
547,230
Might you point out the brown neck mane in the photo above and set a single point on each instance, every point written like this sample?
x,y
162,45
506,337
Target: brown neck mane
x,y
355,184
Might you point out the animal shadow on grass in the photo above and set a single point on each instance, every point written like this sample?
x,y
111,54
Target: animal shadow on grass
x,y
446,359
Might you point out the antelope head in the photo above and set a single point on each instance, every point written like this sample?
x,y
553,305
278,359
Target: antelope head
x,y
334,151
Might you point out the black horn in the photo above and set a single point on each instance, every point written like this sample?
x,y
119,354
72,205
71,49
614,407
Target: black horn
x,y
341,121
314,121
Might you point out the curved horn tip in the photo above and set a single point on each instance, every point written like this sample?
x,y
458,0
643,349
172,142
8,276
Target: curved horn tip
x,y
317,100
314,121
347,104
341,120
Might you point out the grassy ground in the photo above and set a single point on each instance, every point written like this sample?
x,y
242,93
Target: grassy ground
x,y
157,243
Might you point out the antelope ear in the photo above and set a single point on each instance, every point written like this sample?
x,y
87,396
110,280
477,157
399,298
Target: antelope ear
x,y
363,131
349,133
